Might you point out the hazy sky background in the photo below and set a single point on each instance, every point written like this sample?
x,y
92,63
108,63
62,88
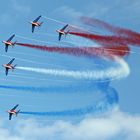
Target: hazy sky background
x,y
15,16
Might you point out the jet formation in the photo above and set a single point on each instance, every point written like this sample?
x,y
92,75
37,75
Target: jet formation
x,y
8,66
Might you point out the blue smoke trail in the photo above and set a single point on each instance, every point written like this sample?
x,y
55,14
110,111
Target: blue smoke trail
x,y
24,88
110,100
56,89
110,97
76,112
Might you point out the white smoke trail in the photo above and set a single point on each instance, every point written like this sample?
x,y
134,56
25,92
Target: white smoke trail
x,y
57,21
31,39
46,34
52,80
122,70
30,61
38,79
24,60
66,43
64,23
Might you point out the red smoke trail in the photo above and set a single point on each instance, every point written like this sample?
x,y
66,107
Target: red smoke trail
x,y
114,29
108,40
83,51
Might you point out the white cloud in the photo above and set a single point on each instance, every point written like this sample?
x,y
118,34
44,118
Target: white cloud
x,y
110,126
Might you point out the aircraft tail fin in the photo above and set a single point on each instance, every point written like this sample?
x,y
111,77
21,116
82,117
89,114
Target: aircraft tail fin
x,y
14,67
17,112
14,43
66,33
41,23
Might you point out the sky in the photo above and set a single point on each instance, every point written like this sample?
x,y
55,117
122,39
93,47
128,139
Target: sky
x,y
53,93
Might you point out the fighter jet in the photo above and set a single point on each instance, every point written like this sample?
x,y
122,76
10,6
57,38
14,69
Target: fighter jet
x,y
9,66
35,23
62,32
13,112
9,43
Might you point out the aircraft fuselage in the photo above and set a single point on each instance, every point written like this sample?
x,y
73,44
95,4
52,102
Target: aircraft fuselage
x,y
7,43
35,23
61,32
12,112
7,66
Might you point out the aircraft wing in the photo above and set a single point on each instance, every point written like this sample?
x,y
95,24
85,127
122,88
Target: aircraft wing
x,y
64,27
11,61
10,116
33,28
15,107
11,38
6,47
37,18
59,36
6,71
